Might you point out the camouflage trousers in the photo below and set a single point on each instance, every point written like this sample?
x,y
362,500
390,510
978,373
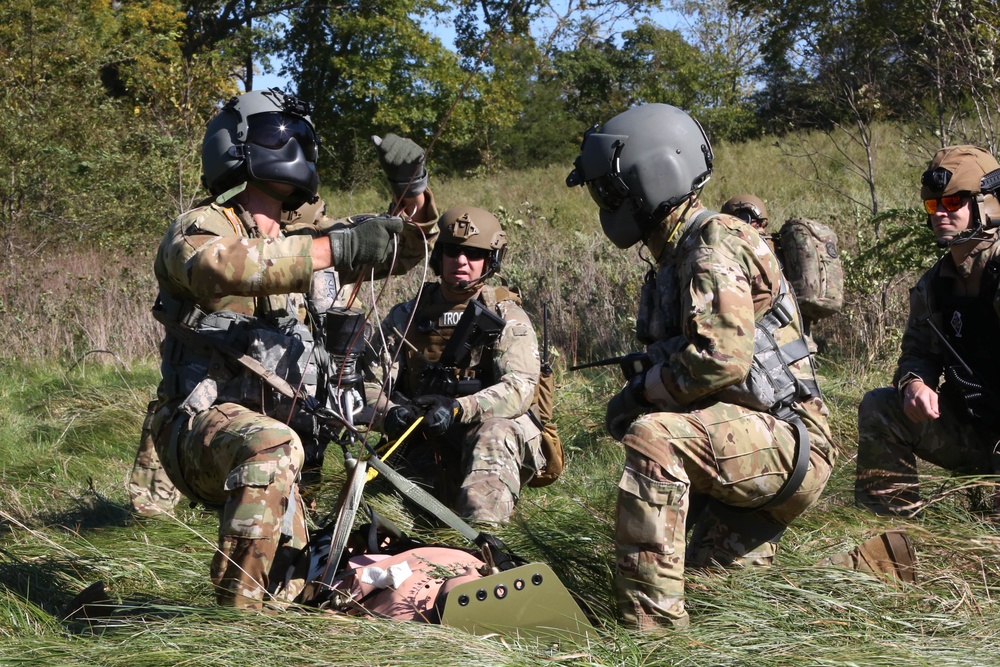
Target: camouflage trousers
x,y
246,465
727,454
479,469
889,445
149,487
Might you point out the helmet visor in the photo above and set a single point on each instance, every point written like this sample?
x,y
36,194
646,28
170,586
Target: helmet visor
x,y
599,167
608,191
274,130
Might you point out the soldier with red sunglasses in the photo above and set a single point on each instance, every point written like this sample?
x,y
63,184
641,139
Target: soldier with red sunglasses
x,y
941,406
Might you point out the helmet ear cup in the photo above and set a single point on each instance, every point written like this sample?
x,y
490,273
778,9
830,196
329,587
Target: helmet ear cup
x,y
496,259
991,210
435,259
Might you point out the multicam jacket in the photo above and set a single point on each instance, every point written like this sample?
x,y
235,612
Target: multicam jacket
x,y
698,312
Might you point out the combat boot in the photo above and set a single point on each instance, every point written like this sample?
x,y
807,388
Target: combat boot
x,y
890,554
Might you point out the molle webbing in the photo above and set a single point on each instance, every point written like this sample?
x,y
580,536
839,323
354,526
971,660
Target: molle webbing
x,y
200,341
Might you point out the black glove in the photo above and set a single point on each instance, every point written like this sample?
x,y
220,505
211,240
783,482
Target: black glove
x,y
368,242
440,412
625,406
398,419
977,401
402,161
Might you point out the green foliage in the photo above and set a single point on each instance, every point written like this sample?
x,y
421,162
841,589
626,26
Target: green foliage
x,y
902,244
371,68
63,135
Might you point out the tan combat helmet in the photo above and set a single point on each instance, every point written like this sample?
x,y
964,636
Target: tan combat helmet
x,y
471,227
959,170
749,208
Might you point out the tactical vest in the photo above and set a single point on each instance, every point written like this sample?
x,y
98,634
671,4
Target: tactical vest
x,y
970,326
433,325
200,353
770,386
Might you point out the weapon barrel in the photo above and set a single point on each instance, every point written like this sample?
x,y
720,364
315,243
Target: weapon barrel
x,y
602,362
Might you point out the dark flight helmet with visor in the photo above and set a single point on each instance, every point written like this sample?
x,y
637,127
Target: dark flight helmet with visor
x,y
261,137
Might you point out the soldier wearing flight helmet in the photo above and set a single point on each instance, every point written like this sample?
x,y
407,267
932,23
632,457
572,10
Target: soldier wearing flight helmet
x,y
229,277
706,445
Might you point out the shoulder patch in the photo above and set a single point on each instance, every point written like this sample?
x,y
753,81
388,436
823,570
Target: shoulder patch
x,y
519,328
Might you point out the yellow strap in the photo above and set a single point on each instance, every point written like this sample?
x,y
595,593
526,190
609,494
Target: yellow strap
x,y
390,447
234,221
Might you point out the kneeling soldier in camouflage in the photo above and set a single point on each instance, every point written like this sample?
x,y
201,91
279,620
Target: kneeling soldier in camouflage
x,y
477,443
943,405
724,428
235,297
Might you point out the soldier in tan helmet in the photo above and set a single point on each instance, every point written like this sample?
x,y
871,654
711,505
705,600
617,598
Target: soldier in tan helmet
x,y
749,208
942,404
477,444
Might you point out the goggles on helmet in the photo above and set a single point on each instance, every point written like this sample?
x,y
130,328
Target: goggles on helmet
x,y
749,214
951,203
274,130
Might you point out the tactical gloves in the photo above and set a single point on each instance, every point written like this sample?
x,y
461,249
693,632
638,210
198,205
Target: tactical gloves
x,y
398,419
440,412
625,406
402,161
368,242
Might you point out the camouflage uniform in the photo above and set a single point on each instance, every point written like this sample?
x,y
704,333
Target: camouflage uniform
x,y
701,459
150,490
889,443
227,456
481,463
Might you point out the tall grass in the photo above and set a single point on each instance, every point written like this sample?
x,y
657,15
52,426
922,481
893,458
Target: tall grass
x,y
67,440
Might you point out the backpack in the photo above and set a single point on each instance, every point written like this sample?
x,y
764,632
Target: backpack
x,y
811,262
542,411
542,406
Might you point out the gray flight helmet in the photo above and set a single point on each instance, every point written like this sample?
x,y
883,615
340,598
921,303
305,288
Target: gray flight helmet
x,y
263,136
639,166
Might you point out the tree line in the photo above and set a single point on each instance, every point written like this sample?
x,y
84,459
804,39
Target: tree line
x,y
118,93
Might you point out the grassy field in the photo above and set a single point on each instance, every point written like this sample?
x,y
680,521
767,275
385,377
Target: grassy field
x,y
79,366
67,438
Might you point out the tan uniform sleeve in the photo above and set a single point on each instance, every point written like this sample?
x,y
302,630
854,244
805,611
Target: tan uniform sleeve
x,y
207,255
516,363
